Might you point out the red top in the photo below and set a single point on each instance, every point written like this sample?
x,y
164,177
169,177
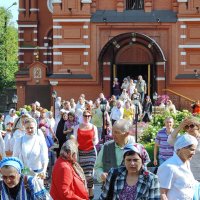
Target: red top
x,y
196,109
85,139
66,184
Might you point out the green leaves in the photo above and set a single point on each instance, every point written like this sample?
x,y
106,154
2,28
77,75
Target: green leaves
x,y
8,50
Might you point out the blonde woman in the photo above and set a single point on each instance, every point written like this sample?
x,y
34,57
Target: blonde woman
x,y
31,149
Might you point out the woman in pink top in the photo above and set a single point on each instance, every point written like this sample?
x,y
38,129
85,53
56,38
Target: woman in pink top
x,y
86,135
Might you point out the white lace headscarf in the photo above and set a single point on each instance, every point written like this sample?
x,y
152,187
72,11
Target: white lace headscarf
x,y
184,141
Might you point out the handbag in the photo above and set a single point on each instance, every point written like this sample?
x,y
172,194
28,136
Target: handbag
x,y
112,184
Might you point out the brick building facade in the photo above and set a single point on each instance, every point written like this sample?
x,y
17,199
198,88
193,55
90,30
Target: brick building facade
x,y
79,46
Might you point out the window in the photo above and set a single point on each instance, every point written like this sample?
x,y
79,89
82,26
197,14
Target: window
x,y
134,4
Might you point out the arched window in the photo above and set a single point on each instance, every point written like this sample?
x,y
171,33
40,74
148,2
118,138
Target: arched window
x,y
134,4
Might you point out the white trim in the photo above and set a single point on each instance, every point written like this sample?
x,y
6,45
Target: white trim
x,y
72,46
20,62
85,37
57,36
35,48
182,1
85,63
49,38
183,36
35,31
183,26
45,38
85,26
86,1
46,62
57,27
160,63
71,20
57,63
28,25
106,78
35,53
21,9
35,39
34,9
193,46
188,19
20,53
20,39
183,63
46,44
57,1
47,53
160,78
57,53
183,53
21,31
54,83
85,53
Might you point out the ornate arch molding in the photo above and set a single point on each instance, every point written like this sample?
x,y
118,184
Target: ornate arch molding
x,y
120,41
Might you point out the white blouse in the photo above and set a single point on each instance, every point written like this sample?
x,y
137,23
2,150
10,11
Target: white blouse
x,y
177,177
32,150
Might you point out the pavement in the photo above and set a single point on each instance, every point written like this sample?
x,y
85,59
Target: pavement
x,y
97,190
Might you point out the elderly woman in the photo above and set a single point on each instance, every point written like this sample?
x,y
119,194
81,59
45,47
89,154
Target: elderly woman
x,y
131,181
175,177
14,185
18,128
31,149
190,125
68,180
86,135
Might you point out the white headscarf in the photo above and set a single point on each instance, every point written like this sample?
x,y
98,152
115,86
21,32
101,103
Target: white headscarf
x,y
184,141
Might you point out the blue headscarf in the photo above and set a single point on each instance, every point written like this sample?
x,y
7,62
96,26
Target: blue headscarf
x,y
12,161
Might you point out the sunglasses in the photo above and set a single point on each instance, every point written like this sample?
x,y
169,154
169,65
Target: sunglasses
x,y
190,126
87,115
12,177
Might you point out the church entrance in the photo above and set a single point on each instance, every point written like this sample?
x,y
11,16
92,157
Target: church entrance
x,y
133,71
131,54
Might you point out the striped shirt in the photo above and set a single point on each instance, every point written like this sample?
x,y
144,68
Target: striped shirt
x,y
165,149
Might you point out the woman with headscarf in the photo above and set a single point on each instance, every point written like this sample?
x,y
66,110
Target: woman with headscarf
x,y
133,180
175,177
59,131
9,121
16,186
68,180
69,125
190,125
18,129
32,150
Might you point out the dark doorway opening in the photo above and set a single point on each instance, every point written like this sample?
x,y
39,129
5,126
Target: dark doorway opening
x,y
134,70
38,93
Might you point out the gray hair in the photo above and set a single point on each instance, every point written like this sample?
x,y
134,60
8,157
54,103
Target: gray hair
x,y
122,125
169,118
68,147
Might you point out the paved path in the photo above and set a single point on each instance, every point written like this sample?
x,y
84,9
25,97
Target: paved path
x,y
97,191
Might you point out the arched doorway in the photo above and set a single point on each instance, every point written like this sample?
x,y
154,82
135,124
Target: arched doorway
x,y
131,54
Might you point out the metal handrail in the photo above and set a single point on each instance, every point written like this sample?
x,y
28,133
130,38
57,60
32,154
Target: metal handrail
x,y
180,95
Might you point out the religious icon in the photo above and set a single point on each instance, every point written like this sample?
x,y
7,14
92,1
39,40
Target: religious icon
x,y
37,73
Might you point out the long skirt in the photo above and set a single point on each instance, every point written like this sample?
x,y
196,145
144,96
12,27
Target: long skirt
x,y
87,161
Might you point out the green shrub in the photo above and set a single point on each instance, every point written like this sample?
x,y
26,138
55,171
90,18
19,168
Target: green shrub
x,y
150,147
150,132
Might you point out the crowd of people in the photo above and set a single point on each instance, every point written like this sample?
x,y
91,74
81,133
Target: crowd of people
x,y
58,151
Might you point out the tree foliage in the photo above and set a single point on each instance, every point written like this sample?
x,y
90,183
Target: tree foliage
x,y
8,50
